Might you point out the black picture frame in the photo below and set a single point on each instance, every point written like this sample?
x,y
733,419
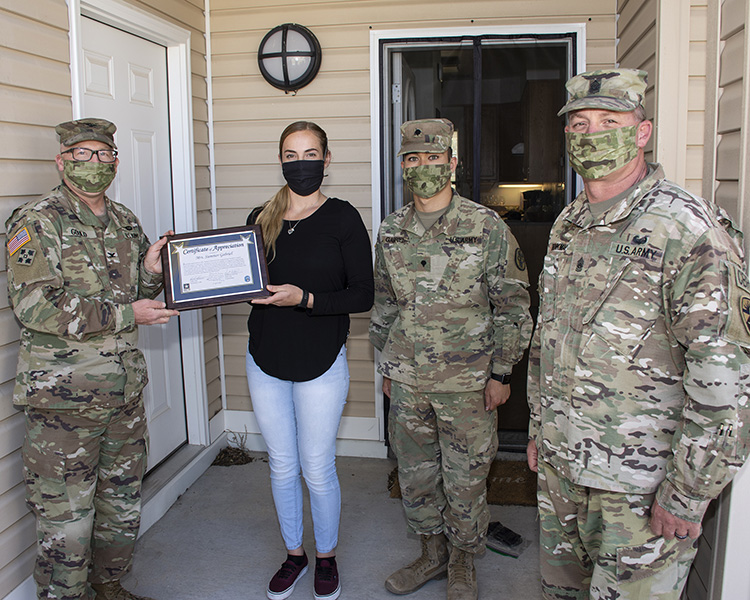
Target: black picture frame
x,y
210,268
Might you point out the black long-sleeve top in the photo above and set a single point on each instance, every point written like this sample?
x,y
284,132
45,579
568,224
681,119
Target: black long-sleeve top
x,y
329,255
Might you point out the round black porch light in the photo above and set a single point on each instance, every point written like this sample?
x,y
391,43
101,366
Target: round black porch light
x,y
289,57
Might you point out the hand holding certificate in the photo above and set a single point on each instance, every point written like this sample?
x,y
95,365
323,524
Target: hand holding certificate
x,y
209,268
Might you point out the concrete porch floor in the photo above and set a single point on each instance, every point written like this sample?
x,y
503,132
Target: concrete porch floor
x,y
220,541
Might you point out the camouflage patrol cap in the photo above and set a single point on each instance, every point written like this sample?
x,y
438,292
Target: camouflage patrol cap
x,y
83,130
426,135
619,90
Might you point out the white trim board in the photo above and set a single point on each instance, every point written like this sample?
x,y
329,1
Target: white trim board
x,y
673,74
23,591
734,575
216,425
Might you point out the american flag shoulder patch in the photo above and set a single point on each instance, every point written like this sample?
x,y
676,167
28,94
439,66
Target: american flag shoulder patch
x,y
18,240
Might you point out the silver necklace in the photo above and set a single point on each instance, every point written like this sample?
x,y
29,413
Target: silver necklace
x,y
291,229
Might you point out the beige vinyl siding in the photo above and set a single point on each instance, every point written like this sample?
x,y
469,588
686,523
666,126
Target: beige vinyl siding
x,y
644,42
636,49
249,116
732,125
211,358
35,96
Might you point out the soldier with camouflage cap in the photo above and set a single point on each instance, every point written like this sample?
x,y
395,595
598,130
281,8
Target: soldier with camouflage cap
x,y
450,319
81,278
639,370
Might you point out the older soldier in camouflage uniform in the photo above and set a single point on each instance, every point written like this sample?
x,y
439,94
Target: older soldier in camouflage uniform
x,y
639,367
450,319
80,278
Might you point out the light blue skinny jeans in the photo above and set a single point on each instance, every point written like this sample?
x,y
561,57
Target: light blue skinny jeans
x,y
299,422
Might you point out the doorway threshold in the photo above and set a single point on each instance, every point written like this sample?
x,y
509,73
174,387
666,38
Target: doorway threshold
x,y
512,441
167,482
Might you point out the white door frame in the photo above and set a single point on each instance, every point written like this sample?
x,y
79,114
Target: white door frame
x,y
177,42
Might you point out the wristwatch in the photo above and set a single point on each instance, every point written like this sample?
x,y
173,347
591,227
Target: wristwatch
x,y
504,379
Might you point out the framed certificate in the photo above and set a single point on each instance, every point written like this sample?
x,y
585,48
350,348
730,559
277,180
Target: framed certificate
x,y
209,268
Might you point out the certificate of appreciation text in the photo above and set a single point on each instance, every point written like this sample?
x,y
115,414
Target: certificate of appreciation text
x,y
209,268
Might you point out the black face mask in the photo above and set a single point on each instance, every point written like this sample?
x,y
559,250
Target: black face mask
x,y
303,176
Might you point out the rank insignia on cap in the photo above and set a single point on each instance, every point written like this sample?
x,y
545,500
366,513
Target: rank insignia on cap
x,y
425,135
619,90
26,256
595,85
18,240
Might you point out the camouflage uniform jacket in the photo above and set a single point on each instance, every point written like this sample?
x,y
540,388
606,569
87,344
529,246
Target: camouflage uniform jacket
x,y
451,304
638,372
71,287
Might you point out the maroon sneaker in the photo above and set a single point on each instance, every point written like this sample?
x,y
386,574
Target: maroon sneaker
x,y
327,584
282,584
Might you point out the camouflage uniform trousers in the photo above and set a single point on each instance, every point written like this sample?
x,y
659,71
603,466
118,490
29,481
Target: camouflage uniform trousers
x,y
598,544
83,470
445,444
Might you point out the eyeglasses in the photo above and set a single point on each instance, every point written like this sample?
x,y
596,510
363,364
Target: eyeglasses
x,y
85,154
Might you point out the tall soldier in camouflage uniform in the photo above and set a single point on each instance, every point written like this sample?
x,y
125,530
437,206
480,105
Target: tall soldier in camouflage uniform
x,y
450,319
638,372
80,278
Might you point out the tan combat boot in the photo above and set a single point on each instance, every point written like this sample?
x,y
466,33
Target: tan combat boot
x,y
462,576
431,565
113,590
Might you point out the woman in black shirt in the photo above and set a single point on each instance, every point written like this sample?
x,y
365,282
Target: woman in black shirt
x,y
321,266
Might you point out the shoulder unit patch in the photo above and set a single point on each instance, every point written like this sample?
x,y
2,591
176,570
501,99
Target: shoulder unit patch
x,y
26,256
737,324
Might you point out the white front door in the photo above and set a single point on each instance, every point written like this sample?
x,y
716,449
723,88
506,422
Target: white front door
x,y
125,81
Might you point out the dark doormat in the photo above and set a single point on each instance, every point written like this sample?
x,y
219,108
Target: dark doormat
x,y
509,482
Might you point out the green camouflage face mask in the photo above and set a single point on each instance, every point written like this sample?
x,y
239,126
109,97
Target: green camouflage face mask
x,y
595,155
427,180
91,177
